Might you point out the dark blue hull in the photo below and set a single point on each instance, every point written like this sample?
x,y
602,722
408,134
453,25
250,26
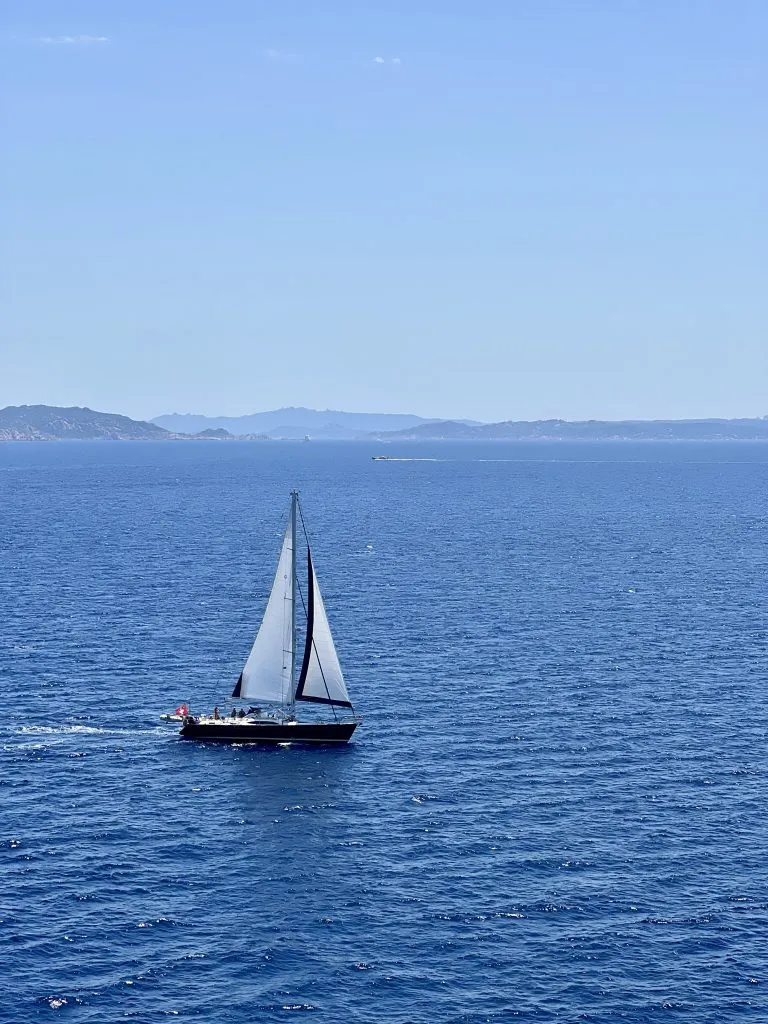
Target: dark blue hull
x,y
268,732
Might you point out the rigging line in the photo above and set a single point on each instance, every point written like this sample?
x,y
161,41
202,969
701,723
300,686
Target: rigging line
x,y
301,594
314,645
306,537
303,524
310,639
297,584
325,684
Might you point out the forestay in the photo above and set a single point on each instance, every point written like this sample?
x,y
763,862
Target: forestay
x,y
267,672
321,680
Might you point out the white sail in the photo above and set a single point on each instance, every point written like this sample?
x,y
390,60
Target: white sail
x,y
267,672
321,680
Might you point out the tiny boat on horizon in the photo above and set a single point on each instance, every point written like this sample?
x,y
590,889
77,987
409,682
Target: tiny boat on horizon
x,y
275,675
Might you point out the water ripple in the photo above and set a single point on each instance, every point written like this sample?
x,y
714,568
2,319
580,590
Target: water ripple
x,y
554,812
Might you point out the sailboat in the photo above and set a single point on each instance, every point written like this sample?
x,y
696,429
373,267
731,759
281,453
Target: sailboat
x,y
277,673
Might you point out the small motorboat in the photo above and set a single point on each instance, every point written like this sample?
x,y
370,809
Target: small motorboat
x,y
181,712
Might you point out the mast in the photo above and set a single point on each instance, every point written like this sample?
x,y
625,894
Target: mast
x,y
292,693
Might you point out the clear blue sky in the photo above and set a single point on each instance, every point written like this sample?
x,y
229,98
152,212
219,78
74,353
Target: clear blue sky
x,y
521,209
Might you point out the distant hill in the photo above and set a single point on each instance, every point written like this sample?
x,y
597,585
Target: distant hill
x,y
50,423
293,422
587,430
214,434
219,434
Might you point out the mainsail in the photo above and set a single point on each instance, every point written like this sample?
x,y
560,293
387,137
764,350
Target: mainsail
x,y
267,672
320,680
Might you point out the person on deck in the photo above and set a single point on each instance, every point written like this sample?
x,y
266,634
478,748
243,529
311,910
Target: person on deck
x,y
216,714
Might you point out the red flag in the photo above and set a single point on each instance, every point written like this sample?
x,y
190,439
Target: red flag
x,y
182,709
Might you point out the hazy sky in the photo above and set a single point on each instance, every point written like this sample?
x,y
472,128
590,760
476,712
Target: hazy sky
x,y
485,208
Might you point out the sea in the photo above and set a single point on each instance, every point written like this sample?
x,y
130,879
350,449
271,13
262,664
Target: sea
x,y
555,808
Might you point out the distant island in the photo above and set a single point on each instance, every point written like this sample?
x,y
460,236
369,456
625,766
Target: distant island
x,y
588,430
295,422
51,423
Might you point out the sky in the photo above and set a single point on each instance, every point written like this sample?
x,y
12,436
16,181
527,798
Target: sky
x,y
496,209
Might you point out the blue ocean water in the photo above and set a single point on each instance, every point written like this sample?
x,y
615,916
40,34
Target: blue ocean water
x,y
555,808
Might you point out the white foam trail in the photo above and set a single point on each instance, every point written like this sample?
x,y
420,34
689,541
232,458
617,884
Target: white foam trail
x,y
84,730
52,729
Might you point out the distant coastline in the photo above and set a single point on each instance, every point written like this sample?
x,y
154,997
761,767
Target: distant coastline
x,y
591,430
53,423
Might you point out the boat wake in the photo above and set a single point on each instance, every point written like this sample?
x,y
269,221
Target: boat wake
x,y
41,739
50,729
82,730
